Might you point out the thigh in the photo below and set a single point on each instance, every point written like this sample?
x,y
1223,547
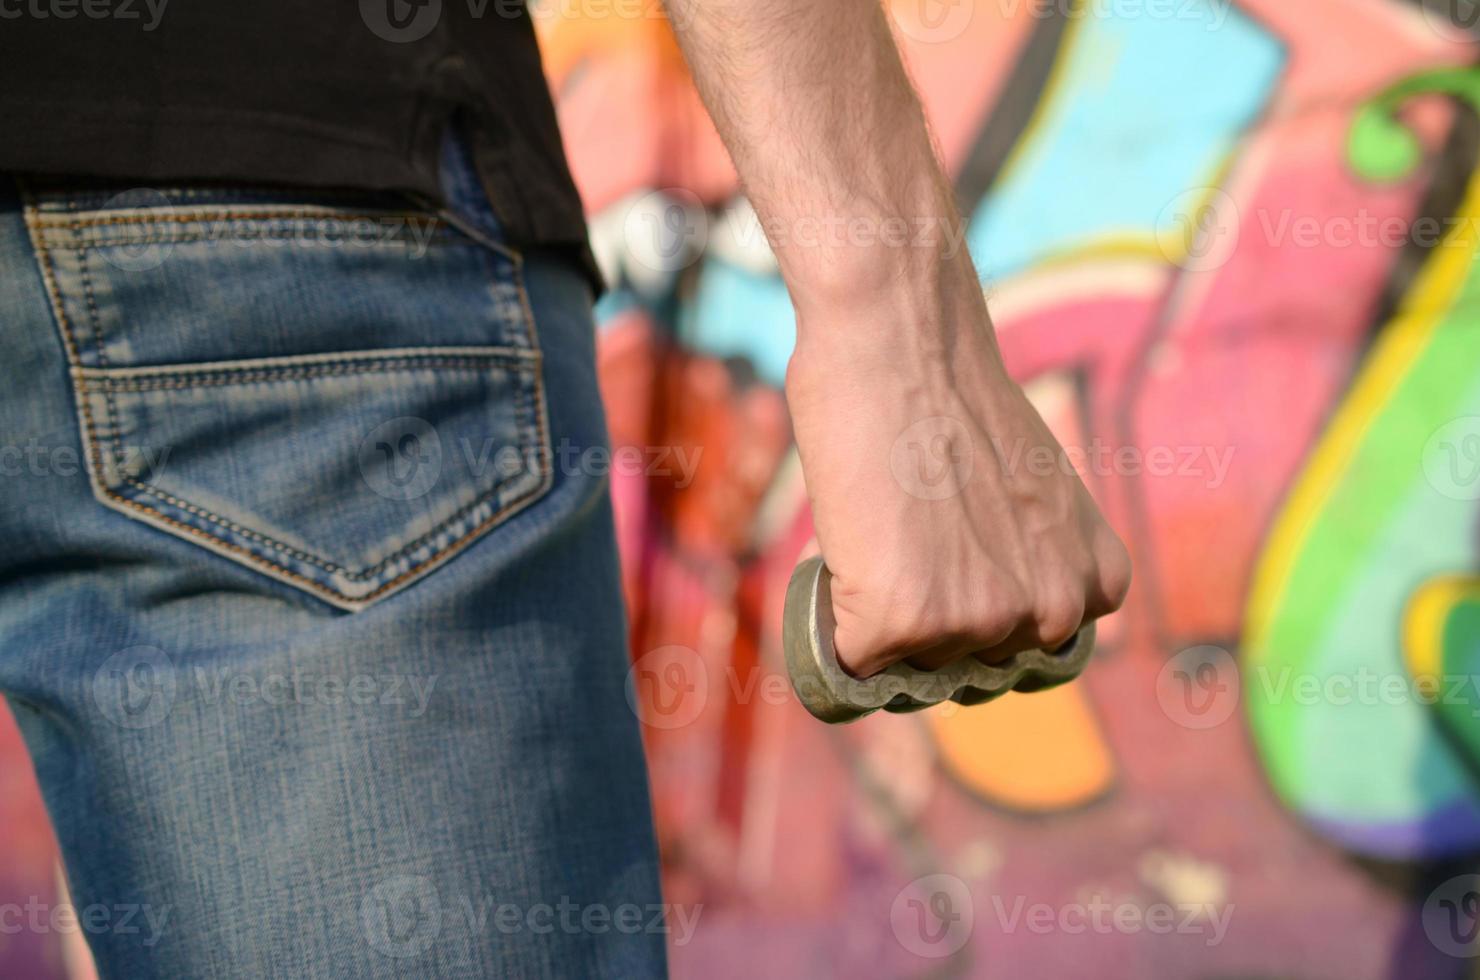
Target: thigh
x,y
318,649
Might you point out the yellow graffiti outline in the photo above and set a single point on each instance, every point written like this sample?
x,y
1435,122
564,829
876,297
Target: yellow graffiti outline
x,y
1400,343
1424,619
1049,101
1103,247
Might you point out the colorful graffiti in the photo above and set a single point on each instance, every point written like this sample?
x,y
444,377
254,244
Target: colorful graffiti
x,y
1183,219
1200,221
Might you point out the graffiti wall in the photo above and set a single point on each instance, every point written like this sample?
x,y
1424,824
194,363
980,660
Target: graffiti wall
x,y
1230,248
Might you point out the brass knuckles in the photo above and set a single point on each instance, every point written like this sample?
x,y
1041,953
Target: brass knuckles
x,y
834,697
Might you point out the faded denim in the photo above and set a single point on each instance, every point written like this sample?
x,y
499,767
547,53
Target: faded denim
x,y
319,658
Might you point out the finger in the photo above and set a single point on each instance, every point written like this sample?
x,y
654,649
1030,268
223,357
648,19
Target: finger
x,y
939,655
1111,580
1046,632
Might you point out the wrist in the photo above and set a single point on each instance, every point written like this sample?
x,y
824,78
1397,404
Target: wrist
x,y
854,242
924,317
828,259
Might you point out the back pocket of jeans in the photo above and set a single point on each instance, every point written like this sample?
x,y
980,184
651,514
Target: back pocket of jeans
x,y
347,473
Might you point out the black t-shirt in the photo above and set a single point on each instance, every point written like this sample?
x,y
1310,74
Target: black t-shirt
x,y
351,93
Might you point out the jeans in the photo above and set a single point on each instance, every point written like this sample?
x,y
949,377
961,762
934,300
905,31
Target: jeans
x,y
318,649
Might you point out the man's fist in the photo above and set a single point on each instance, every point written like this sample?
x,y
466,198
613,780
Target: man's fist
x,y
942,540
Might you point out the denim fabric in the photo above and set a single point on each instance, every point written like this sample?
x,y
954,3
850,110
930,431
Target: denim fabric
x,y
319,657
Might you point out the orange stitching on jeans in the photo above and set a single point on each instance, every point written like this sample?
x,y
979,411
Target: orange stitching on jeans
x,y
361,364
216,379
253,559
461,514
232,526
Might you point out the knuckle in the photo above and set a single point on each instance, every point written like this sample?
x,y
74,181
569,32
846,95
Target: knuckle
x,y
1060,601
1059,618
1115,575
992,621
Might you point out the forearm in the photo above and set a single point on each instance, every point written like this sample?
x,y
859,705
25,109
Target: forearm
x,y
940,545
832,148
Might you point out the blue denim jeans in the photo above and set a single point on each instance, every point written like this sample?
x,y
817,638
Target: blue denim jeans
x,y
319,654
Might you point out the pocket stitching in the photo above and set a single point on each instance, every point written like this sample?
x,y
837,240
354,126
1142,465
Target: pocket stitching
x,y
267,541
217,519
461,514
357,576
173,381
93,455
95,326
174,227
94,449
